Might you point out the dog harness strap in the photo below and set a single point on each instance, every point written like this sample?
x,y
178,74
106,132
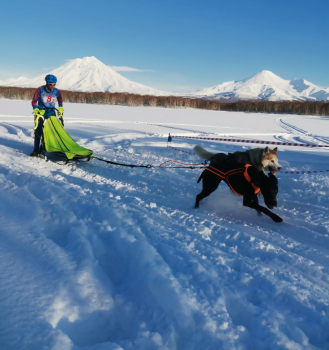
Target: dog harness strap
x,y
225,176
227,180
231,187
248,178
215,172
228,173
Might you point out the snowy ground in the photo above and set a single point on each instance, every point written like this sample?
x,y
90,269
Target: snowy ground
x,y
101,257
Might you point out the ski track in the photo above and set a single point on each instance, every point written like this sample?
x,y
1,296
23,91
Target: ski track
x,y
112,258
300,135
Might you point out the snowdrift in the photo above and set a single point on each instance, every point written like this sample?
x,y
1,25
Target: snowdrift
x,y
100,257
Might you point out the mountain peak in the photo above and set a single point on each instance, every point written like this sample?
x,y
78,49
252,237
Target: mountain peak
x,y
264,86
85,61
88,59
264,78
87,74
266,74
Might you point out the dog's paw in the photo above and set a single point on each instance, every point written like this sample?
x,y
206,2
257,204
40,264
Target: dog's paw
x,y
276,218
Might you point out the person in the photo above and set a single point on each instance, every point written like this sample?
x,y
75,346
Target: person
x,y
43,104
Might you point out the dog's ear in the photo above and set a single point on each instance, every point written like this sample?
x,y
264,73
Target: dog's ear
x,y
275,149
266,150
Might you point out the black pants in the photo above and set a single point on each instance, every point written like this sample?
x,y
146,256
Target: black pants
x,y
38,132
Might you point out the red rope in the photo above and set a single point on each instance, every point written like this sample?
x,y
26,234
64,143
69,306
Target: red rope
x,y
175,161
251,141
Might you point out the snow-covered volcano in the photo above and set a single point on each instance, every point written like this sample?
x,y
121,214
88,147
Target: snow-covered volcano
x,y
265,85
86,74
89,74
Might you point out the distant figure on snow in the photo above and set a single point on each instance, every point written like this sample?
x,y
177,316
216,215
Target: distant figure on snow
x,y
43,104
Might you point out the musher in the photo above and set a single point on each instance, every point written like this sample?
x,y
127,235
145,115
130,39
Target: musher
x,y
43,104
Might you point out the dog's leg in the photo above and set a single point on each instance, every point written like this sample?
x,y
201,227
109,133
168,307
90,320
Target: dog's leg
x,y
203,194
210,183
255,200
201,176
247,201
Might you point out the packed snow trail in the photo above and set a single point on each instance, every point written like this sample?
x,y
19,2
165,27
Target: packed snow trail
x,y
104,257
301,135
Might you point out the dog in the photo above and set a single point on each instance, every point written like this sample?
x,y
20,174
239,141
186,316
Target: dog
x,y
260,158
244,180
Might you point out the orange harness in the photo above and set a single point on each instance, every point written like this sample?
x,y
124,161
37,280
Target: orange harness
x,y
225,176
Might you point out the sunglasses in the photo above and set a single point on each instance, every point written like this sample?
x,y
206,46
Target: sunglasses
x,y
52,84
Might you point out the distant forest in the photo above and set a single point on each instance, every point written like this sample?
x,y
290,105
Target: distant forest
x,y
125,99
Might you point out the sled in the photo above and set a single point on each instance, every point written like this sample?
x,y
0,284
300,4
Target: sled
x,y
57,141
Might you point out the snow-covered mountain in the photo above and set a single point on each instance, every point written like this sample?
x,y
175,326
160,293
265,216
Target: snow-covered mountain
x,y
265,85
86,74
89,74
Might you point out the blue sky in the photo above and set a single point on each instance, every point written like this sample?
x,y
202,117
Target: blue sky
x,y
183,45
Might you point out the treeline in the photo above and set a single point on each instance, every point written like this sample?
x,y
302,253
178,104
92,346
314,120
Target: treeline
x,y
125,99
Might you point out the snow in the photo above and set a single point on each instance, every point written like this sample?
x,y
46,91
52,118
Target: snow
x,y
86,74
101,257
265,85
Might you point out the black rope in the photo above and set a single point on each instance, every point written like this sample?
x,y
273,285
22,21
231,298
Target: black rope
x,y
180,167
148,166
130,165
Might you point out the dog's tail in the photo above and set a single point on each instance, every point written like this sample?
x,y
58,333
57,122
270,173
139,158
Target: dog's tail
x,y
202,153
201,176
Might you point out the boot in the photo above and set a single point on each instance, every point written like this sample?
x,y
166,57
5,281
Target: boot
x,y
34,154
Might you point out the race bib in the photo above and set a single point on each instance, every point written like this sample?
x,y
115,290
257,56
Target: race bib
x,y
49,100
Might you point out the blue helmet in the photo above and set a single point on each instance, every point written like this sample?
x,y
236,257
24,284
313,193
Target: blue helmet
x,y
50,78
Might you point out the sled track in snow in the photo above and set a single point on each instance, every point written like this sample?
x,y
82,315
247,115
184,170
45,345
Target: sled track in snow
x,y
301,135
21,133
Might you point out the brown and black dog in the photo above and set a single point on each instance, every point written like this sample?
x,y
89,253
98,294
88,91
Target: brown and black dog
x,y
244,180
260,158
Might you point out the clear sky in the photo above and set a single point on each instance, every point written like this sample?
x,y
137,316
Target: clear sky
x,y
179,45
